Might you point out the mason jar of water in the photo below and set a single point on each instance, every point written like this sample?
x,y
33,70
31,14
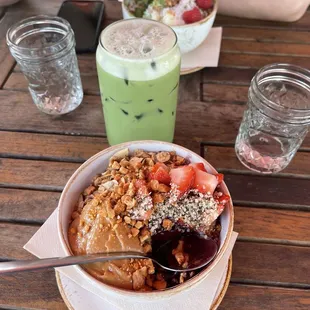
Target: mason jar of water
x,y
44,48
276,120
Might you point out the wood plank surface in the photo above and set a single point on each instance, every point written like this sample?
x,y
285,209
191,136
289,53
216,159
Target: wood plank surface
x,y
17,205
78,149
257,262
266,35
31,290
223,93
267,189
254,223
265,48
224,75
271,263
17,81
35,174
12,239
241,297
22,115
246,188
189,85
52,147
245,297
224,158
302,24
256,61
282,226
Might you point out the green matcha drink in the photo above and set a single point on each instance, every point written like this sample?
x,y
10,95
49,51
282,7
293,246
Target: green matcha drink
x,y
138,63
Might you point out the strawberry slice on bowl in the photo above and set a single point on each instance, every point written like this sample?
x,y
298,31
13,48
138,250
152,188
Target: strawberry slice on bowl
x,y
183,177
222,202
199,166
205,182
204,4
160,172
192,16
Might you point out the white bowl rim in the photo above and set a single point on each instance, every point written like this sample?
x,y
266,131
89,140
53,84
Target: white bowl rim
x,y
163,293
214,11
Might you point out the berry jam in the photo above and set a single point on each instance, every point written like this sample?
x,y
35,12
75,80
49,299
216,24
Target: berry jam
x,y
199,249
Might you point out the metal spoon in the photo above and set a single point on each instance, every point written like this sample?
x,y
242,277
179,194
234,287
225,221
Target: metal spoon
x,y
161,260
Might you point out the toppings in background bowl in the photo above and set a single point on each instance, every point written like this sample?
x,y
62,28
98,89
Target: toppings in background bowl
x,y
171,12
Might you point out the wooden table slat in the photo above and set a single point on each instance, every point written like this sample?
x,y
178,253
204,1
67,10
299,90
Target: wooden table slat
x,y
225,159
241,297
245,297
247,188
255,223
302,24
257,262
52,147
30,206
266,35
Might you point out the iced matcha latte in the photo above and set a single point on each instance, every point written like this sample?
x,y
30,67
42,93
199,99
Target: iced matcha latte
x,y
138,63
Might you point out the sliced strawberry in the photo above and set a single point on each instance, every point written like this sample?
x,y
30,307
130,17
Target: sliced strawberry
x,y
162,176
222,202
223,199
160,172
220,208
220,177
192,16
204,4
147,214
159,165
140,183
183,177
205,182
199,166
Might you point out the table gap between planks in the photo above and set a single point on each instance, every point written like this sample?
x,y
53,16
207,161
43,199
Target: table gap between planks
x,y
38,154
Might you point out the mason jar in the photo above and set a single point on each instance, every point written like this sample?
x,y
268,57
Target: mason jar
x,y
44,48
276,120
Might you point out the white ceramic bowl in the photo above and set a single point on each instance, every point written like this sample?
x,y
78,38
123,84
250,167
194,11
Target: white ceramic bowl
x,y
190,36
97,164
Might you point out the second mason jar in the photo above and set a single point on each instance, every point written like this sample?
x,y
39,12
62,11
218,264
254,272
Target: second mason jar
x,y
138,63
44,48
277,118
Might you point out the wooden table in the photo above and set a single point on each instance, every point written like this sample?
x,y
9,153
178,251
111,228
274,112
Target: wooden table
x,y
39,153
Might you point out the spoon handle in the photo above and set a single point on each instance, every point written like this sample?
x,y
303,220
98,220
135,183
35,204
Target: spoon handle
x,y
35,264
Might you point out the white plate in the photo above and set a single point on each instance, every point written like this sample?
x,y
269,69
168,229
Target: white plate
x,y
77,298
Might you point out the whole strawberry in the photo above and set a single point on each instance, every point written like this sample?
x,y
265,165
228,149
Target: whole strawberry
x,y
192,16
204,4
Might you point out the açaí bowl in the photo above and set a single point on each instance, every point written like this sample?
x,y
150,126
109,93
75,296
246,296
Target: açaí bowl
x,y
98,164
190,36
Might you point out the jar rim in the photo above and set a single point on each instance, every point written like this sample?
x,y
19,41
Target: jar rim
x,y
280,67
29,21
290,74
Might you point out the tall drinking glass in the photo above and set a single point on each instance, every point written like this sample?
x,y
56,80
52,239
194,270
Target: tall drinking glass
x,y
138,63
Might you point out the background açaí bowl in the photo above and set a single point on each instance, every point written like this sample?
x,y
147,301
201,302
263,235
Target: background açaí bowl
x,y
98,164
190,36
